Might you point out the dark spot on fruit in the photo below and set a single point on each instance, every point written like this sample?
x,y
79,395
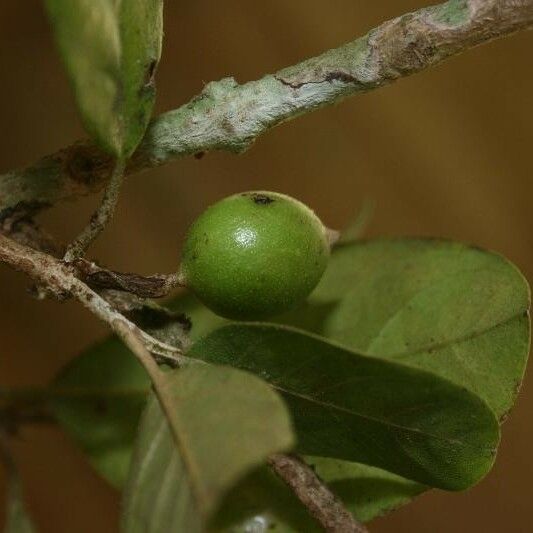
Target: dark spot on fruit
x,y
199,155
261,199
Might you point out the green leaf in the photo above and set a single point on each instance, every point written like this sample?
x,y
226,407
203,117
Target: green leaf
x,y
357,408
377,296
455,310
98,399
225,423
111,49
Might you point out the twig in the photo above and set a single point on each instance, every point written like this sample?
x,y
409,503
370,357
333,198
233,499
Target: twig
x,y
134,341
321,503
101,217
154,286
20,225
59,278
229,116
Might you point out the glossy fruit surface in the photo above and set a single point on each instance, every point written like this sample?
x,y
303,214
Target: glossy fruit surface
x,y
254,255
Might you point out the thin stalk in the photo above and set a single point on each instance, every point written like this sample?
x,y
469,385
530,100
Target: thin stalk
x,y
101,216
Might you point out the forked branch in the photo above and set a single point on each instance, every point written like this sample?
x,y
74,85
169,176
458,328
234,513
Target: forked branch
x,y
59,279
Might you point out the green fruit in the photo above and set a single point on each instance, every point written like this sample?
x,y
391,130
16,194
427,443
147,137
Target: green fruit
x,y
254,255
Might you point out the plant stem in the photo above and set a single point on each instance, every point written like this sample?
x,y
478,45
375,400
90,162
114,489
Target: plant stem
x,y
101,216
59,279
229,116
318,499
154,286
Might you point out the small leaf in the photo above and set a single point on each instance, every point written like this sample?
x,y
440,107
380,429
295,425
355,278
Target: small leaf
x,y
98,399
111,49
226,422
357,408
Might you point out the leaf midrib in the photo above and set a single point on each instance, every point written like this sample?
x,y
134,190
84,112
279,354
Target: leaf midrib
x,y
125,392
143,392
383,422
454,340
438,346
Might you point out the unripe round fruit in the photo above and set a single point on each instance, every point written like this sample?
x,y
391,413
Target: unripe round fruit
x,y
254,255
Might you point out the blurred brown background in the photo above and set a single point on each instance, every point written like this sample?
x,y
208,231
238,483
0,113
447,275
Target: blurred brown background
x,y
445,153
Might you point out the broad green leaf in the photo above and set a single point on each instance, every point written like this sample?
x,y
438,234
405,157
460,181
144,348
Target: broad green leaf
x,y
357,408
462,311
455,310
98,399
111,49
225,423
